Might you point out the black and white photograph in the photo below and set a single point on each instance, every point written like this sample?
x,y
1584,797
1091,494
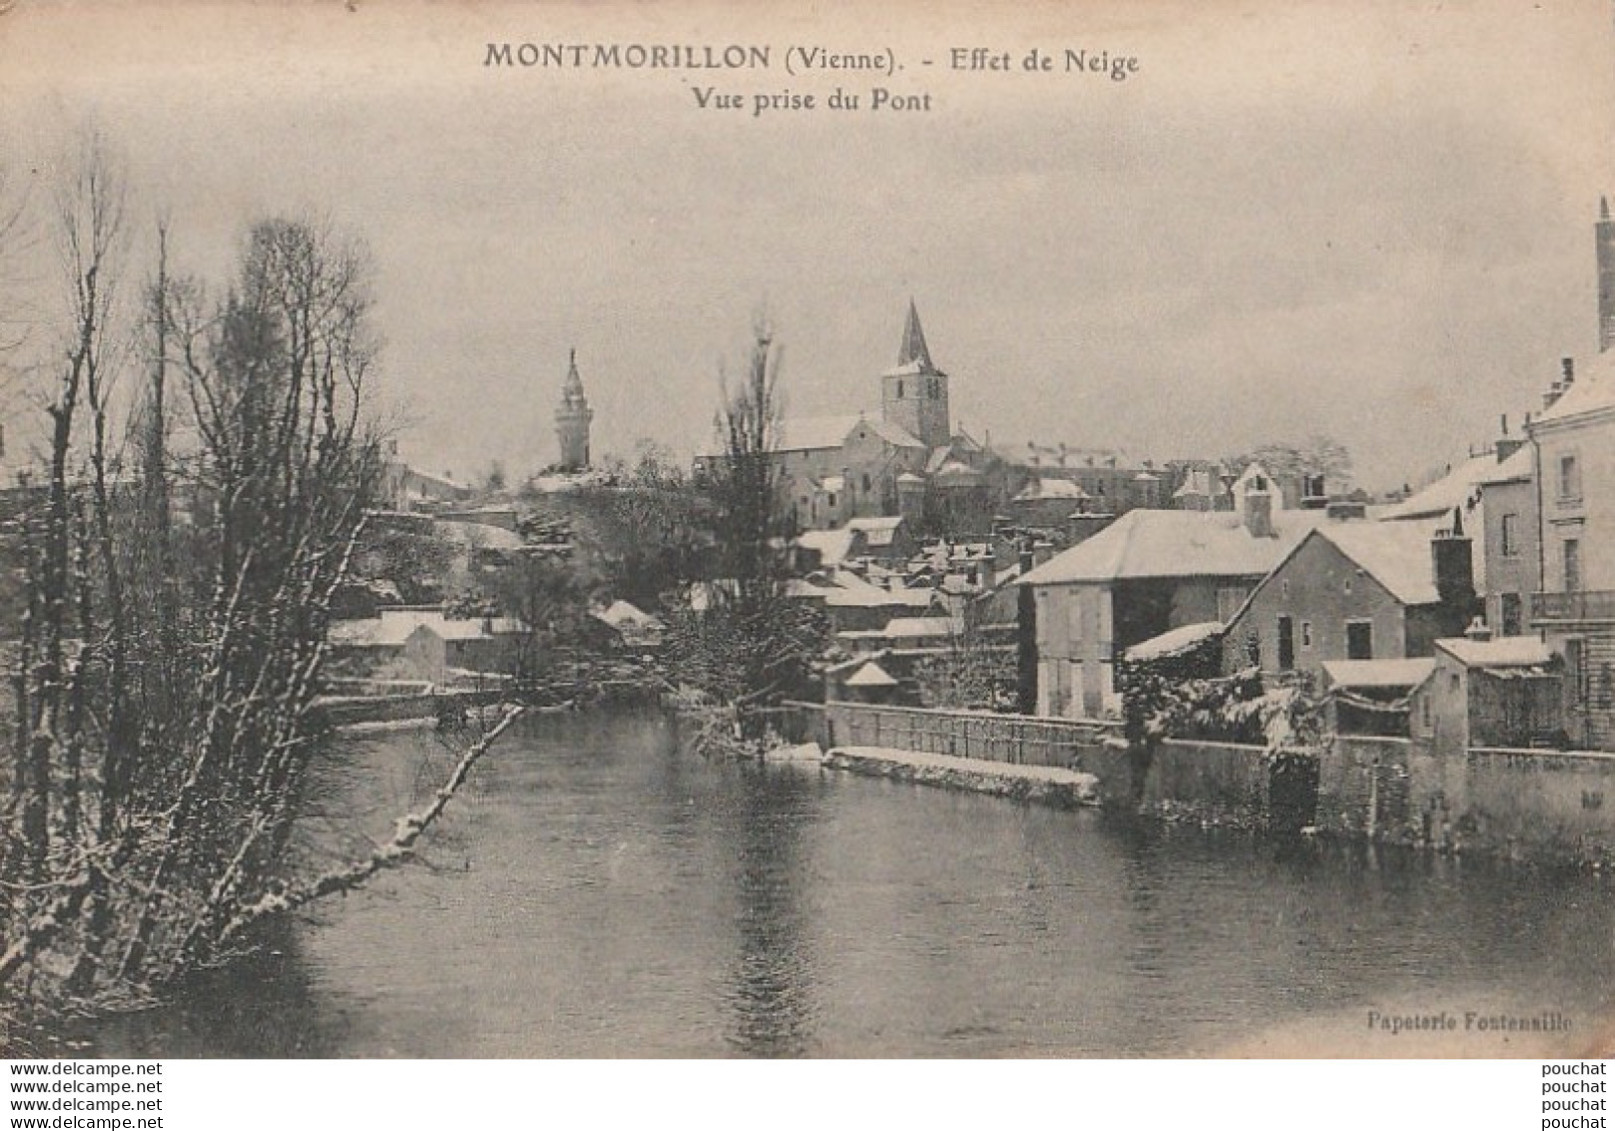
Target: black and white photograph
x,y
693,530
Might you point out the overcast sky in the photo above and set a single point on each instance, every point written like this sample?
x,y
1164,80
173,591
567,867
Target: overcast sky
x,y
1371,220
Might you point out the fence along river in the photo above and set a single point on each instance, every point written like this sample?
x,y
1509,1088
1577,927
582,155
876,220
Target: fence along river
x,y
594,892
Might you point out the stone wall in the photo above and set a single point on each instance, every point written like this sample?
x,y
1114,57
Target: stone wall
x,y
1535,804
1540,805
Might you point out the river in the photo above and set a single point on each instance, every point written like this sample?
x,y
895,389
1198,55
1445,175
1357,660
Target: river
x,y
593,891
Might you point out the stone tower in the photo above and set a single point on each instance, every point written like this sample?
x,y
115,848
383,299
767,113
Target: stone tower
x,y
1605,234
914,395
572,419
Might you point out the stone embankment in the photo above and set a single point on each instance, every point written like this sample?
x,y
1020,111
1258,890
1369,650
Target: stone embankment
x,y
1050,785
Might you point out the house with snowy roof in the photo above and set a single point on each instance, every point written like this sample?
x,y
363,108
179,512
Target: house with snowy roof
x,y
1489,692
1147,573
1357,591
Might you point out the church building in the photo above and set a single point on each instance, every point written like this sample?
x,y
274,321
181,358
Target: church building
x,y
904,460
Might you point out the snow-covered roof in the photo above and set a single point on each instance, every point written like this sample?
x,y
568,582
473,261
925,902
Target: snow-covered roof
x,y
1200,482
805,433
1502,652
1519,467
1457,488
1395,554
919,627
1175,641
1378,673
1159,543
1050,489
477,534
394,626
561,482
624,614
471,628
870,675
851,592
1593,389
1034,454
894,434
832,545
877,531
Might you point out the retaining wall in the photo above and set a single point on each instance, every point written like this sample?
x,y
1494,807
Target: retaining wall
x,y
1016,739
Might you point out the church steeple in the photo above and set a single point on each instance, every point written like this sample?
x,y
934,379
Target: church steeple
x,y
572,419
914,351
914,396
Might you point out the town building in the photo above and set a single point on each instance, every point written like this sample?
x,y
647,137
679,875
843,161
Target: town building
x,y
1147,573
1574,452
1356,591
1485,692
1510,566
405,488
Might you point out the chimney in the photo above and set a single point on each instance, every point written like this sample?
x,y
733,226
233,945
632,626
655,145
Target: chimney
x,y
1259,509
1478,631
1507,445
1452,558
1604,238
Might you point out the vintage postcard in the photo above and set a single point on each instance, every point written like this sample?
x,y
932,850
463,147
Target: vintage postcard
x,y
663,529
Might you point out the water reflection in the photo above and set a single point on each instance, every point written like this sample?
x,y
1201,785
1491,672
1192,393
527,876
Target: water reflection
x,y
771,988
594,892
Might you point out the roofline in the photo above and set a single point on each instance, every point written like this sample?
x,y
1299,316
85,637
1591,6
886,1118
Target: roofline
x,y
1262,584
1322,532
1441,642
1584,416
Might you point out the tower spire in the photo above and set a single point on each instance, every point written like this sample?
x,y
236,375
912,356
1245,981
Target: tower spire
x,y
572,418
914,348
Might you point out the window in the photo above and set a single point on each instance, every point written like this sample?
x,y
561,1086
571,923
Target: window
x,y
1306,634
1510,614
1074,622
1511,536
1569,478
832,498
866,483
1286,644
1359,640
1572,560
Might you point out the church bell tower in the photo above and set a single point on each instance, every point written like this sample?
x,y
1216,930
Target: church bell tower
x,y
914,395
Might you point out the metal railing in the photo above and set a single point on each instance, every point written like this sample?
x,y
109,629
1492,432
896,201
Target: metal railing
x,y
1571,608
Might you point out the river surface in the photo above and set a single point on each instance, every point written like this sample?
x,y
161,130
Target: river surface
x,y
593,891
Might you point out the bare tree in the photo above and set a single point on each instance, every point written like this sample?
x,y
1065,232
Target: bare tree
x,y
176,628
752,645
